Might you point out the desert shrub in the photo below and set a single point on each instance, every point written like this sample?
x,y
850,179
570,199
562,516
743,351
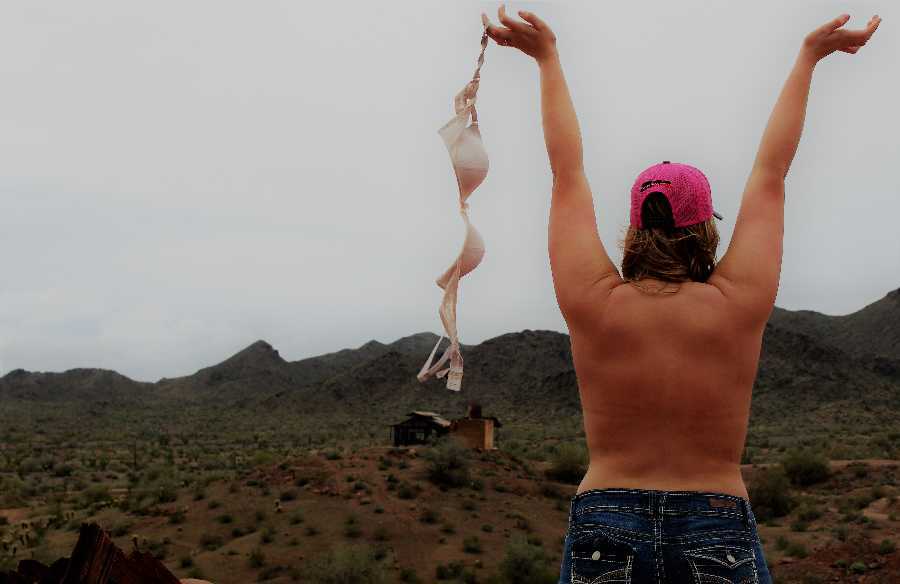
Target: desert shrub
x,y
770,494
448,463
887,547
568,463
795,549
381,533
805,467
551,491
351,527
429,515
257,558
840,532
288,495
857,567
808,512
352,564
524,563
211,542
166,493
860,469
95,494
453,570
407,491
472,545
120,529
177,518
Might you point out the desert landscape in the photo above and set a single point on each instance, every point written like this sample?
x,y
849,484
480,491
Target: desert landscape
x,y
259,469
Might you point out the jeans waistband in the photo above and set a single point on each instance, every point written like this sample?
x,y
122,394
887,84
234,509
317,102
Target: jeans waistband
x,y
656,503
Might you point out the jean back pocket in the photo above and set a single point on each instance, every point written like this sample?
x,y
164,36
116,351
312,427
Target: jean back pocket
x,y
598,558
722,564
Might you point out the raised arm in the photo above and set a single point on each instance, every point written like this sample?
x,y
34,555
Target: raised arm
x,y
751,267
582,271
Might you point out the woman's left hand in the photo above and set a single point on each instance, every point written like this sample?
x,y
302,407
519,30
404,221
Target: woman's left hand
x,y
533,37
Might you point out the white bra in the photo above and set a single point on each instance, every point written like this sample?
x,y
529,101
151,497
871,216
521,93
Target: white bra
x,y
470,163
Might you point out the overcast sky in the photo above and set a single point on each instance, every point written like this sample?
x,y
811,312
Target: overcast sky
x,y
181,178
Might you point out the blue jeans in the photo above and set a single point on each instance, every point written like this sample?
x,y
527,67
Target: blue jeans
x,y
640,536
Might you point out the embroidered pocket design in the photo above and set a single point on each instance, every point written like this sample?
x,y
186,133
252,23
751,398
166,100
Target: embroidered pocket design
x,y
722,564
598,558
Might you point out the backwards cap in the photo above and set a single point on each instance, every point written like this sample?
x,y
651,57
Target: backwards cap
x,y
684,186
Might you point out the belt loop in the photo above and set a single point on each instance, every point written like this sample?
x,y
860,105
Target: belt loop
x,y
745,510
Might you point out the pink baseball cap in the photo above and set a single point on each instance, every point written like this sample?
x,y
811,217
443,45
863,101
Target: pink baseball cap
x,y
685,187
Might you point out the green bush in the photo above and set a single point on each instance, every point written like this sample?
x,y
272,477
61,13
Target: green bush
x,y
352,564
429,516
447,463
770,494
472,545
407,491
454,570
808,512
257,558
211,542
568,463
796,549
524,563
805,467
351,527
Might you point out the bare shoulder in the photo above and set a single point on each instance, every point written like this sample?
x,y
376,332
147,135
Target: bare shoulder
x,y
705,303
743,302
708,302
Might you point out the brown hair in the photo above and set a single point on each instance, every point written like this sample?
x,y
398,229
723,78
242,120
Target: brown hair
x,y
665,252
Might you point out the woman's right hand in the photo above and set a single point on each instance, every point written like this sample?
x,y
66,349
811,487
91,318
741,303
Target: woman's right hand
x,y
830,37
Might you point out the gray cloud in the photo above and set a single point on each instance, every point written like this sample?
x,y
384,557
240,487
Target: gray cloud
x,y
180,179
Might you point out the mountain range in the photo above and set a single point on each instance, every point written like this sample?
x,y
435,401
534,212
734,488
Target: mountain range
x,y
836,371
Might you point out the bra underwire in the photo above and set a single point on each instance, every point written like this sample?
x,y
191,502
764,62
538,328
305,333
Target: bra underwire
x,y
470,163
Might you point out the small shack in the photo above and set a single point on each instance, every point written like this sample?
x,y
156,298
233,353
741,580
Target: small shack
x,y
418,428
474,430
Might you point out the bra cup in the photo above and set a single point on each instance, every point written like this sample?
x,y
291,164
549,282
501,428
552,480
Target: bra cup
x,y
471,255
470,161
467,153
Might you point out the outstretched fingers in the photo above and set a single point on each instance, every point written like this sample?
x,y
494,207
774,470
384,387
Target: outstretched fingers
x,y
511,23
532,19
834,24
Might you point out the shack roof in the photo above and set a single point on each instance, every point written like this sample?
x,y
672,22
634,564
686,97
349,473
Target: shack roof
x,y
431,416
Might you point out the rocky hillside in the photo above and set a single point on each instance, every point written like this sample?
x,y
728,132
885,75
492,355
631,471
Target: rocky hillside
x,y
839,371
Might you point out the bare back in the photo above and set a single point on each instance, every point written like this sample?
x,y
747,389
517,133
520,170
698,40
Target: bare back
x,y
665,382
